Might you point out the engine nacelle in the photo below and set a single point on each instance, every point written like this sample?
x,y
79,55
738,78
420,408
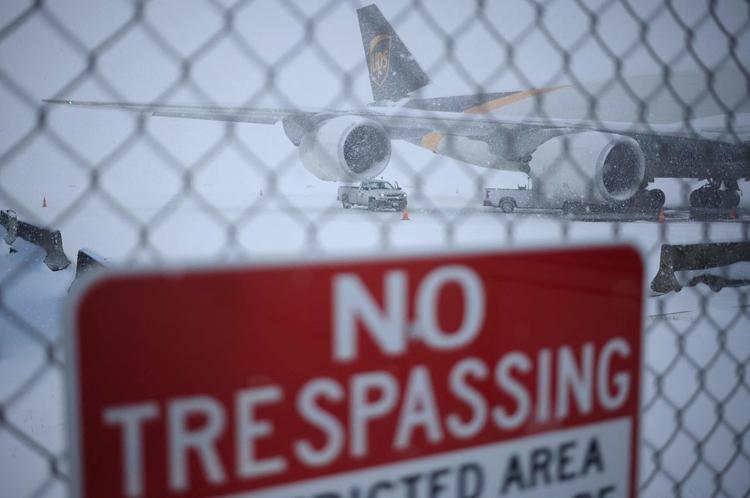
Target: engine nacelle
x,y
347,148
589,167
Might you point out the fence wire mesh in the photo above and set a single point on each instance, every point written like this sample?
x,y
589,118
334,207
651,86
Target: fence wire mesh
x,y
141,189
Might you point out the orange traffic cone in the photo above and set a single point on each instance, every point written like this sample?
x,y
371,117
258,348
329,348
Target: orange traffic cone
x,y
44,202
405,215
661,215
733,214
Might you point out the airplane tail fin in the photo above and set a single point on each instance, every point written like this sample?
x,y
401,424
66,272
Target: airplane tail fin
x,y
394,73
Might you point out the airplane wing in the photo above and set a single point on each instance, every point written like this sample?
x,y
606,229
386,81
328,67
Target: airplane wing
x,y
237,114
403,120
413,124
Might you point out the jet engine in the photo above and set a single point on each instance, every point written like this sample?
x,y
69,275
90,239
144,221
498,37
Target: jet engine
x,y
347,148
589,167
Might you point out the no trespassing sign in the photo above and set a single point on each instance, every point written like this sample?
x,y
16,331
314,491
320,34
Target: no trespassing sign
x,y
471,375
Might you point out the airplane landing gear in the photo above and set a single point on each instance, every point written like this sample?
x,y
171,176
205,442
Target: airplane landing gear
x,y
643,202
648,200
710,196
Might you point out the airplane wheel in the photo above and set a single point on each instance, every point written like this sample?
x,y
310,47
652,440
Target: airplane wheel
x,y
656,198
345,202
371,204
731,199
706,197
696,199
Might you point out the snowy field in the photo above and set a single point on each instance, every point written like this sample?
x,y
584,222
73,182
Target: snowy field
x,y
188,236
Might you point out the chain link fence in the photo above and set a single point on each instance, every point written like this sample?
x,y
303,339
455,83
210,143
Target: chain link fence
x,y
139,189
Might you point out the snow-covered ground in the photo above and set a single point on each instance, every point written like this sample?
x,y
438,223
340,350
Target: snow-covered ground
x,y
695,328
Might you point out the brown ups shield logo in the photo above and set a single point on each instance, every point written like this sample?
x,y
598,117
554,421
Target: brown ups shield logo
x,y
380,55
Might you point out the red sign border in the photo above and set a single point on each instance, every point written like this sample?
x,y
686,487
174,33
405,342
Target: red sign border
x,y
90,281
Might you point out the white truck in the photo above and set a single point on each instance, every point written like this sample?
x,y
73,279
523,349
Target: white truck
x,y
509,199
375,194
647,202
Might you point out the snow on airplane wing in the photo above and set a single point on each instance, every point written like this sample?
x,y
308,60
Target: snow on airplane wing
x,y
405,119
239,114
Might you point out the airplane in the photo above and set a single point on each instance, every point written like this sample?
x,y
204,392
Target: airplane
x,y
610,162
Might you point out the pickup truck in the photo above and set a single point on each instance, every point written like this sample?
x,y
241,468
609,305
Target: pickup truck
x,y
508,199
375,194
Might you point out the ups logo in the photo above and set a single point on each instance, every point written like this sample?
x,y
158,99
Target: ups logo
x,y
380,55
